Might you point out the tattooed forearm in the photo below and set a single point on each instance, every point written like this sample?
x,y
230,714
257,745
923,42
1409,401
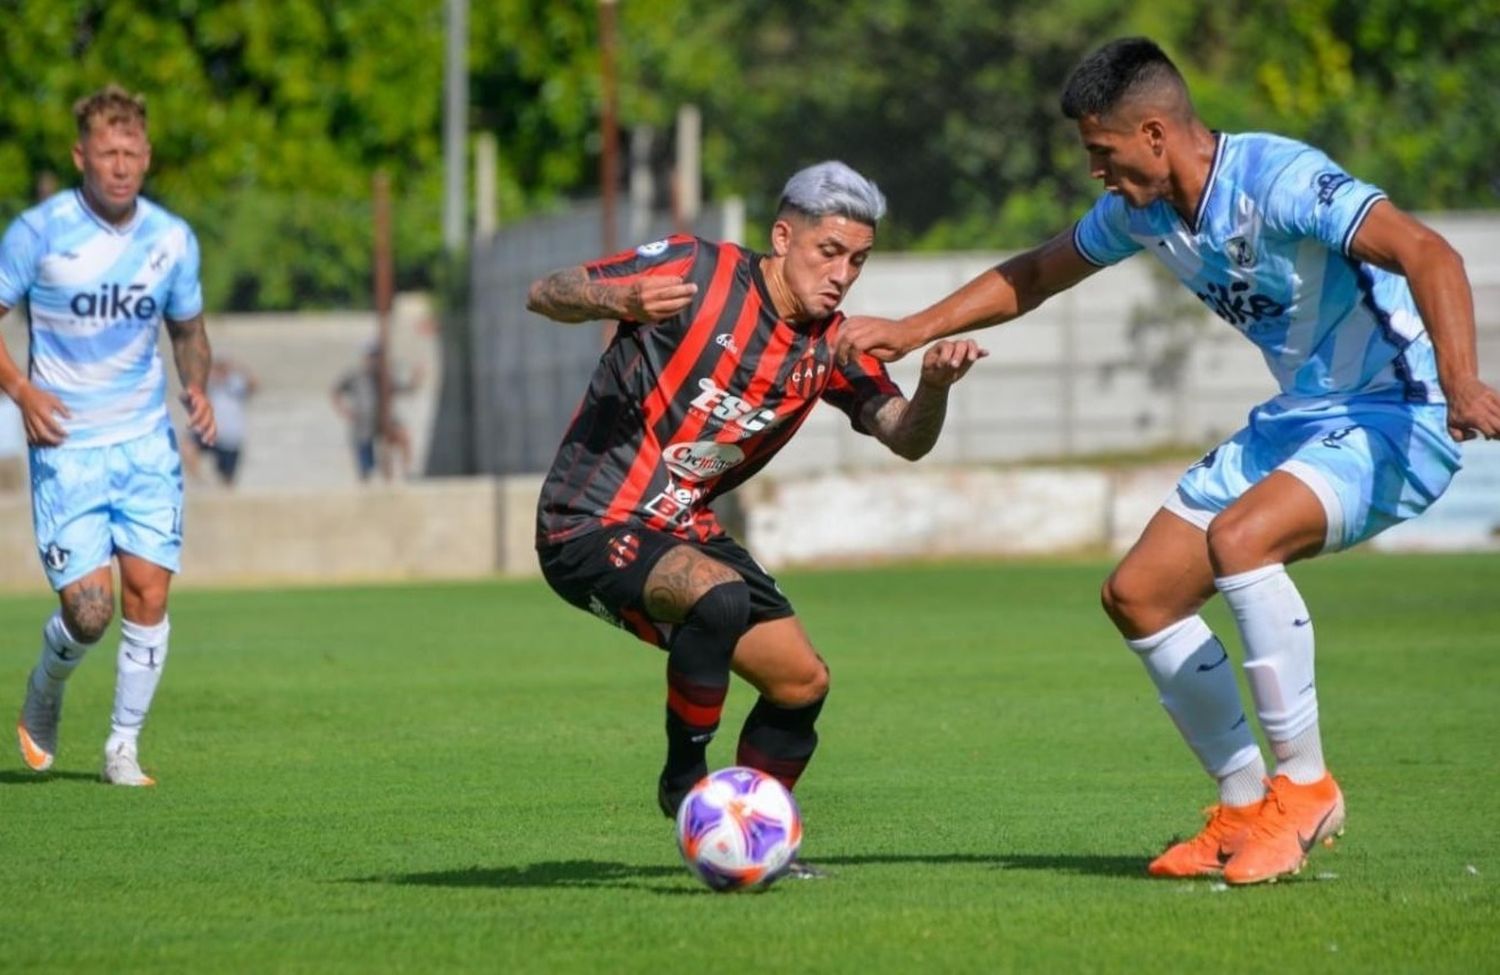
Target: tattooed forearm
x,y
190,349
910,427
569,296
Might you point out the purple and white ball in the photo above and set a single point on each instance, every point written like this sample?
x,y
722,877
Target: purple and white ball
x,y
738,829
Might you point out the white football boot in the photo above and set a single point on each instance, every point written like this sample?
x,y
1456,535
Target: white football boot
x,y
121,766
36,729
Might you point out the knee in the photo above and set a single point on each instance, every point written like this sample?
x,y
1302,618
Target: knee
x,y
1126,601
1232,537
804,688
88,618
725,608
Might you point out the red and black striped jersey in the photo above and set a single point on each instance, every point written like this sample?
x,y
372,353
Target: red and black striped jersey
x,y
683,410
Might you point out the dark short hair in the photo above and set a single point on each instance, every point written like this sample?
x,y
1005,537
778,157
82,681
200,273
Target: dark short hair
x,y
1121,68
111,105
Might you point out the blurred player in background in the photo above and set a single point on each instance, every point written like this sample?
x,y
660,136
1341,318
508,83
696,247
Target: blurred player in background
x,y
1365,317
231,386
720,355
101,268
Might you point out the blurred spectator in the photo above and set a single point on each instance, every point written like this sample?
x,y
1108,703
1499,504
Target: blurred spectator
x,y
230,386
356,397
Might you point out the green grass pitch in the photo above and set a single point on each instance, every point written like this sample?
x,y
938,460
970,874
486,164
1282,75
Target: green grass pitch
x,y
461,777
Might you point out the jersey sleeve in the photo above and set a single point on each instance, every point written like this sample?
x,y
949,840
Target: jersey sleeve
x,y
20,255
670,257
1312,196
185,300
1102,237
855,384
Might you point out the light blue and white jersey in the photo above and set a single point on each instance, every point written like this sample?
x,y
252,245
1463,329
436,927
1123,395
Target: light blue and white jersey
x,y
98,294
1268,252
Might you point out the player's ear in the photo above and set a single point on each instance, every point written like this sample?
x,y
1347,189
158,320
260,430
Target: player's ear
x,y
781,237
1155,132
78,155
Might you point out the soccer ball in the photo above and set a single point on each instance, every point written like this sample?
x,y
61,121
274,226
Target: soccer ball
x,y
738,829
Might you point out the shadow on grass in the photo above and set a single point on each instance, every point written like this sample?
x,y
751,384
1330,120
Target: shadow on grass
x,y
28,777
599,873
551,873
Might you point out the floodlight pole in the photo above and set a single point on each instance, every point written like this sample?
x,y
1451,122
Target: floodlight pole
x,y
455,125
609,166
384,290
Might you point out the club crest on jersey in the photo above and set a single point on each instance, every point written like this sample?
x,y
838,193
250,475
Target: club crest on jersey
x,y
701,460
1240,251
1329,184
726,341
55,557
806,377
653,249
623,549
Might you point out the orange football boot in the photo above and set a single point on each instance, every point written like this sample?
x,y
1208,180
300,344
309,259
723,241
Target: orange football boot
x,y
1291,820
1205,854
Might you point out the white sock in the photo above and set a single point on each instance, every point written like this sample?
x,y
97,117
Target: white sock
x,y
1301,759
1277,632
61,655
1196,684
143,653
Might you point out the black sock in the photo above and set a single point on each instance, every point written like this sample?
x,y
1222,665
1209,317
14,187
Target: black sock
x,y
698,660
780,741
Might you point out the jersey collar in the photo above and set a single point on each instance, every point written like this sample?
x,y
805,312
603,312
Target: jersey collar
x,y
121,229
1220,141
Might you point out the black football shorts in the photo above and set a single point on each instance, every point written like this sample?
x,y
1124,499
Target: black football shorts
x,y
604,573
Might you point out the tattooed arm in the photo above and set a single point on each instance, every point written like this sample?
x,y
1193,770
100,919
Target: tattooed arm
x,y
190,350
910,427
569,296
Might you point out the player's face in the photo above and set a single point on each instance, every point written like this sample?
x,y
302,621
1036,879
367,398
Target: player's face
x,y
1127,156
113,160
821,259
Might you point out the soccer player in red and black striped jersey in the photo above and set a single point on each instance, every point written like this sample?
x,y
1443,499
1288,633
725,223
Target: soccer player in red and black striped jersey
x,y
720,355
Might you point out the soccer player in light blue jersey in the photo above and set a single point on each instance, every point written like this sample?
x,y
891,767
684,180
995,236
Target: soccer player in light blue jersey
x,y
1366,319
101,268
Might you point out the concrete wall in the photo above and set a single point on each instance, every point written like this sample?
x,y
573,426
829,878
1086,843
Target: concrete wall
x,y
459,528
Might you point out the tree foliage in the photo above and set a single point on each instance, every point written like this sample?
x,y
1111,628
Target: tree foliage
x,y
269,117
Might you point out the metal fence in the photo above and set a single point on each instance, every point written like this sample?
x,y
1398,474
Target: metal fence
x,y
513,379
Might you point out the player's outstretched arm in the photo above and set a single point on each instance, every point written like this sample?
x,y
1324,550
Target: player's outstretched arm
x,y
1000,294
910,427
40,410
1393,239
191,351
570,296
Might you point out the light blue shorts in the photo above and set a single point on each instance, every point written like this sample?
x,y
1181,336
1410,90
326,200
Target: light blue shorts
x,y
88,503
1372,463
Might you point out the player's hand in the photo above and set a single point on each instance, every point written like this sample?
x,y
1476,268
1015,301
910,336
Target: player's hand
x,y
1473,411
882,338
654,299
200,413
42,414
946,362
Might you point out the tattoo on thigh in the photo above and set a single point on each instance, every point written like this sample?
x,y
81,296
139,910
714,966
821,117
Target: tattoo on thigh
x,y
679,579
